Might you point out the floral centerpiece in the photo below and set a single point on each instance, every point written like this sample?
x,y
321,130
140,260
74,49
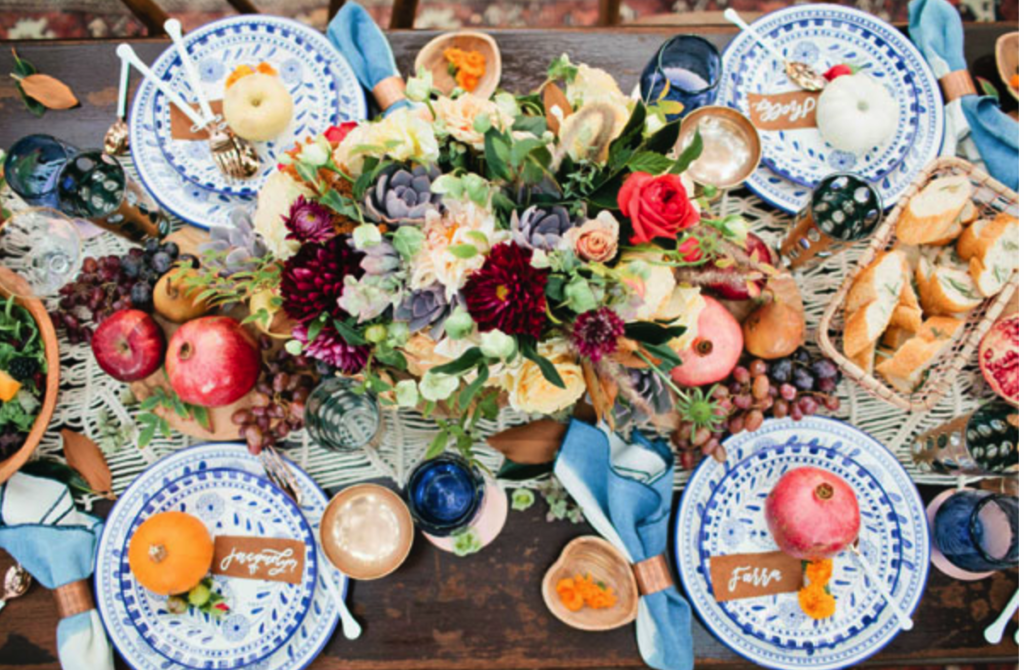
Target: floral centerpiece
x,y
461,253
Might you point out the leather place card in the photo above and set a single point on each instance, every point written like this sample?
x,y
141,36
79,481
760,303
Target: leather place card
x,y
784,111
738,576
181,126
270,558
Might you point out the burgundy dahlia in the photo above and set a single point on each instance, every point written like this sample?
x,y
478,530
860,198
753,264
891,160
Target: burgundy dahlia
x,y
308,221
596,332
507,293
331,348
313,279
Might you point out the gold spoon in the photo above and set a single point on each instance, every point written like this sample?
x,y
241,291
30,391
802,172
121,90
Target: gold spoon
x,y
16,583
115,142
801,74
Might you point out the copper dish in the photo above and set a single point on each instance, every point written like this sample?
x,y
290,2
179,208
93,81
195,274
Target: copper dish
x,y
732,147
35,307
597,556
366,531
1008,59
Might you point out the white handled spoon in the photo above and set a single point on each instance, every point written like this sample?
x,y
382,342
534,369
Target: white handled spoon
x,y
126,53
349,626
994,633
905,622
801,74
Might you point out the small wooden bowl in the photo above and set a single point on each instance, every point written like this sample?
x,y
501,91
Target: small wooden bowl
x,y
597,556
367,531
431,58
1008,59
10,282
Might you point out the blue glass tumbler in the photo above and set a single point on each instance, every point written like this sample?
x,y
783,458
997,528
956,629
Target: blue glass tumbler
x,y
978,530
690,66
33,165
445,494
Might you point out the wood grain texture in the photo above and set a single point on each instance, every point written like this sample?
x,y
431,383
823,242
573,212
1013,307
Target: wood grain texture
x,y
440,612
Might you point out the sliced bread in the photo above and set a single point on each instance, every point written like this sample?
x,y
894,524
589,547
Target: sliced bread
x,y
991,247
945,289
871,301
968,214
906,368
907,314
930,214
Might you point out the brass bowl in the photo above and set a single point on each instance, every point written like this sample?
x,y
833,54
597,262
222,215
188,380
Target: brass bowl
x,y
366,531
732,147
594,555
431,58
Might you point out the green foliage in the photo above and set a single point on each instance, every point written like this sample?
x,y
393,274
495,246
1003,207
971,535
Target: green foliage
x,y
150,422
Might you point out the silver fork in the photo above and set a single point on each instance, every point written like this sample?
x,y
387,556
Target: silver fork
x,y
234,155
280,474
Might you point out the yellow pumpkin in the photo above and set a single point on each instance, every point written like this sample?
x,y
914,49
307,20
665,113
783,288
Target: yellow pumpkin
x,y
170,553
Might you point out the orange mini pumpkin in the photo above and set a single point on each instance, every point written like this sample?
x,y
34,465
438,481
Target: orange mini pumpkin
x,y
170,552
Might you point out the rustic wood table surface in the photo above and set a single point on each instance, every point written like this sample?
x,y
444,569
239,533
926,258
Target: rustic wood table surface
x,y
438,611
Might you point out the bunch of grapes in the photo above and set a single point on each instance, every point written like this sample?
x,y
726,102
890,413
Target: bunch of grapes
x,y
111,283
279,404
797,386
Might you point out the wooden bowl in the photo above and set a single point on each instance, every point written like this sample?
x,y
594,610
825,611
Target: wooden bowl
x,y
431,58
367,531
11,282
1008,59
597,556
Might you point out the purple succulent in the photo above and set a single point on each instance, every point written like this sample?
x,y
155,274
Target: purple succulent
x,y
426,308
402,196
540,228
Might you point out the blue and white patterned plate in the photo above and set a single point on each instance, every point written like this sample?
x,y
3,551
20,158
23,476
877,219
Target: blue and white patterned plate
x,y
323,87
822,36
264,614
722,512
314,629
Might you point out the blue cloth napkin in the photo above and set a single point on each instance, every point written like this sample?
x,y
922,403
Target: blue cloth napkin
x,y
625,492
938,32
356,35
42,530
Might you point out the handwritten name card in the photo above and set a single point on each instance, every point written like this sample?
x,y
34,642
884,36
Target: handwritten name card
x,y
274,559
752,575
784,111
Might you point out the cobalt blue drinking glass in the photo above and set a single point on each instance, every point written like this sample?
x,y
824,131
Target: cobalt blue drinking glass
x,y
32,166
978,530
691,67
444,494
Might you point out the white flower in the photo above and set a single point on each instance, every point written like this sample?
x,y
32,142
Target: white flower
x,y
406,393
463,225
418,88
366,235
436,387
651,284
593,84
458,116
315,153
403,135
272,205
496,344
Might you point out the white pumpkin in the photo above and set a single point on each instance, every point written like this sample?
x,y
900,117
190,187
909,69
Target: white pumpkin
x,y
856,113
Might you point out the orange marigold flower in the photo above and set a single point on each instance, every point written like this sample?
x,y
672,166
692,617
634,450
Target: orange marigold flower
x,y
816,602
819,572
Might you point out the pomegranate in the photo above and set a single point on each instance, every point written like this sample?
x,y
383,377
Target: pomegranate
x,y
714,351
812,514
212,361
999,358
758,251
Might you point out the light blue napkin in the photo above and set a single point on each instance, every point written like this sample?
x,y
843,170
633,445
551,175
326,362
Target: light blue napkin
x,y
42,530
356,35
937,30
625,492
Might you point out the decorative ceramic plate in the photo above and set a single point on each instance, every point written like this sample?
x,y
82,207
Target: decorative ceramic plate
x,y
264,614
197,464
722,512
323,88
822,36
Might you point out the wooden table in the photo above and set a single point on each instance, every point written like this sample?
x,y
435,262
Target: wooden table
x,y
438,611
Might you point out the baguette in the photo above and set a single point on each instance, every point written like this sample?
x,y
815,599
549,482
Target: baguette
x,y
968,214
991,247
930,214
871,302
906,369
865,360
945,289
907,314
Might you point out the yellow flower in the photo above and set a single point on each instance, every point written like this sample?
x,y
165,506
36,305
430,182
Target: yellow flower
x,y
458,115
528,390
403,135
272,205
593,84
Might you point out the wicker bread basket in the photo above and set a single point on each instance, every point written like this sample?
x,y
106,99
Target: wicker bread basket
x,y
990,197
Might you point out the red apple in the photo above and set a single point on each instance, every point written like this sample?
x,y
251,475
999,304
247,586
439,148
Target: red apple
x,y
714,351
212,361
129,345
758,251
812,514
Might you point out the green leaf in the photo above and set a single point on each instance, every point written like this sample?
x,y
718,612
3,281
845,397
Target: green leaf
x,y
669,358
407,241
463,251
690,154
522,148
438,444
469,392
316,327
22,68
350,334
649,162
631,136
497,153
546,367
662,141
531,124
340,204
652,333
293,347
307,172
391,358
464,362
988,88
562,69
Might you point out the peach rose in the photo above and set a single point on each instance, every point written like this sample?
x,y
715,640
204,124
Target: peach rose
x,y
596,240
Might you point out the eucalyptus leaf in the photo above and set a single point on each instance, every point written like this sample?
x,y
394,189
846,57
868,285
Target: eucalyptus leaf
x,y
464,362
690,154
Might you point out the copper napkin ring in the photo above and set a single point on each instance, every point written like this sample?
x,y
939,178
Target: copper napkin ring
x,y
653,575
73,598
388,91
957,84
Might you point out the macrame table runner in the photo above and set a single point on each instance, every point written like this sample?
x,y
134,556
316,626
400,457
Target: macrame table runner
x,y
87,394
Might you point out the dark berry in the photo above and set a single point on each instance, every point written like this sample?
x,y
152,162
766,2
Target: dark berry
x,y
803,380
152,245
162,262
781,371
142,295
826,385
170,248
23,368
802,356
131,266
824,369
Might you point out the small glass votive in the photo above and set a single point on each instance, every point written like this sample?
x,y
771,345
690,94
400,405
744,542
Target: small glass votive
x,y
445,494
978,531
340,419
983,443
690,67
842,210
32,166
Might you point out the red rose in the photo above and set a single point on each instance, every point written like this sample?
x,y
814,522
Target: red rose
x,y
689,249
336,134
656,206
